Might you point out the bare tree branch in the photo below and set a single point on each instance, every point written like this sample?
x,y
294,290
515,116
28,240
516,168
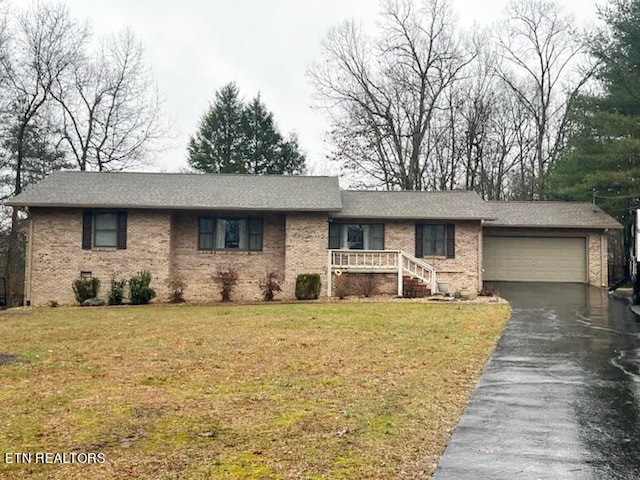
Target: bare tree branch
x,y
541,53
111,110
383,93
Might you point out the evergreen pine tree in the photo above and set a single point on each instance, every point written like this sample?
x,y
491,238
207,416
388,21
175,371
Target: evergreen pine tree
x,y
217,145
604,148
234,137
261,138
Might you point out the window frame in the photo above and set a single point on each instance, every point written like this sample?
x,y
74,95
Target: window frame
x,y
100,228
251,235
447,241
338,235
90,230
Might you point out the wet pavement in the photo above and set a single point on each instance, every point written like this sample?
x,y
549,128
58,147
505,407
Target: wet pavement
x,y
560,397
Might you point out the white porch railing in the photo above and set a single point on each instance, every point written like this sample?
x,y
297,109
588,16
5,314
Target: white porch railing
x,y
380,261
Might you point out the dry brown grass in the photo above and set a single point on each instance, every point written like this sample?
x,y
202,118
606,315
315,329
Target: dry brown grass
x,y
302,391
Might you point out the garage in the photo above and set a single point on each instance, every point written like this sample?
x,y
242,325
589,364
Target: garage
x,y
535,259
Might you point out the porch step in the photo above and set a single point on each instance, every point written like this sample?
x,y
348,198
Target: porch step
x,y
413,287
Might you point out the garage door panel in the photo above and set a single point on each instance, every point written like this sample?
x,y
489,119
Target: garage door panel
x,y
534,259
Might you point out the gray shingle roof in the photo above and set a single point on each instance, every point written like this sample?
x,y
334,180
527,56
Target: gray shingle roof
x,y
451,205
550,215
183,191
297,193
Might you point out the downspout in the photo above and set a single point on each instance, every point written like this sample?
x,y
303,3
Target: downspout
x,y
28,260
604,259
480,257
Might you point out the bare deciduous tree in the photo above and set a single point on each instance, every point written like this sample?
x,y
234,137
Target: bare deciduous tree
x,y
110,108
384,93
43,43
55,92
489,129
541,52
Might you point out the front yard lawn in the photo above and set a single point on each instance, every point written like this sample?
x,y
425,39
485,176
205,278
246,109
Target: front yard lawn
x,y
301,391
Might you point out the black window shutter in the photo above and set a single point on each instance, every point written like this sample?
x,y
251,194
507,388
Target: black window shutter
x,y
87,234
256,229
206,233
451,241
334,236
122,230
419,243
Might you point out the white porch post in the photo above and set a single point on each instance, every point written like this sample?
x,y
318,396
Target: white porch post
x,y
329,273
433,282
399,274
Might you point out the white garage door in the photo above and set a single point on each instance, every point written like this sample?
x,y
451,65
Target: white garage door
x,y
535,259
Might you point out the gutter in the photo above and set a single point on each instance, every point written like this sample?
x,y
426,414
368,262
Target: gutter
x,y
212,208
585,226
29,261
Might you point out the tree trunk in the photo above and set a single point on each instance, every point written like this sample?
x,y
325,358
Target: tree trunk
x,y
14,262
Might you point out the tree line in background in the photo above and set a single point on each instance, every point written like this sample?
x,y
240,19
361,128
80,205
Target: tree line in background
x,y
532,108
69,99
602,157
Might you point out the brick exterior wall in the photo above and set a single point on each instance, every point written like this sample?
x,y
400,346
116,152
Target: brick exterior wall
x,y
349,283
596,243
165,243
306,246
197,267
460,272
57,257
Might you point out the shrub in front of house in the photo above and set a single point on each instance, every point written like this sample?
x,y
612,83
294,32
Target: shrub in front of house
x,y
341,286
85,288
270,285
116,292
488,290
227,279
367,285
140,292
308,286
176,287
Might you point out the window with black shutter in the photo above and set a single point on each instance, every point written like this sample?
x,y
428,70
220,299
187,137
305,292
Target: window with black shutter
x,y
255,234
104,229
230,233
435,239
334,236
356,236
450,238
87,228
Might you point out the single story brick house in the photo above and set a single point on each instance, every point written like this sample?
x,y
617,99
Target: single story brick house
x,y
188,226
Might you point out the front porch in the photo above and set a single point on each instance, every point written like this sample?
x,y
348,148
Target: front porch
x,y
395,262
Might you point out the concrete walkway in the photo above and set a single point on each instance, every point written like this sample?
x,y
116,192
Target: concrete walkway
x,y
560,397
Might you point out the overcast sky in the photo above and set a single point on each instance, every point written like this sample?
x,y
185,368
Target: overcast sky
x,y
196,46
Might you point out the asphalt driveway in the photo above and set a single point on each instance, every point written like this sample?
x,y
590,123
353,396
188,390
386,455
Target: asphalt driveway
x,y
560,397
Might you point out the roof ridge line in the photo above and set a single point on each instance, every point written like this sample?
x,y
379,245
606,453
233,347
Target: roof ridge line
x,y
195,174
